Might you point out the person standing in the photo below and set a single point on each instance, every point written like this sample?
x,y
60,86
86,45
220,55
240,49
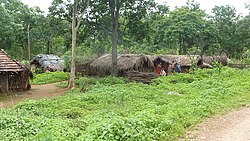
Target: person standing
x,y
169,69
178,68
173,67
158,69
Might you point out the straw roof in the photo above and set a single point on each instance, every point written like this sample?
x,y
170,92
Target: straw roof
x,y
126,62
7,64
183,60
210,59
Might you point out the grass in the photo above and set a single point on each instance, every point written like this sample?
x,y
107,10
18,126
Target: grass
x,y
113,109
49,77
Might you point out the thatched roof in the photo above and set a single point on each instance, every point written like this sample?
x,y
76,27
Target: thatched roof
x,y
126,62
223,59
183,60
48,61
7,64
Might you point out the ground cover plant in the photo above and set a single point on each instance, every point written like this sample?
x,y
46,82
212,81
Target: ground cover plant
x,y
113,109
49,77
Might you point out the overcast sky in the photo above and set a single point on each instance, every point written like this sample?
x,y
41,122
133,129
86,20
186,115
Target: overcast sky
x,y
205,4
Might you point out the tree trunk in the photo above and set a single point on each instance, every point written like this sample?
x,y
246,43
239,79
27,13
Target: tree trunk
x,y
48,46
73,57
28,41
75,26
115,7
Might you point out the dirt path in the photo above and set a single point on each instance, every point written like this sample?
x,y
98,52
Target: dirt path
x,y
234,126
36,92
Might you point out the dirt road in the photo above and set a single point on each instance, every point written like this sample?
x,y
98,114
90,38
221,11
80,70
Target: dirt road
x,y
234,126
36,92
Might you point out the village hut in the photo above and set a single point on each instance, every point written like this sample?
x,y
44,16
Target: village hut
x,y
125,63
223,59
159,59
84,69
186,61
13,75
48,62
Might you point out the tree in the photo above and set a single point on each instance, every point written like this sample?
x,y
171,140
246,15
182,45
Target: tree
x,y
21,16
225,19
76,21
207,38
182,26
243,35
7,28
115,8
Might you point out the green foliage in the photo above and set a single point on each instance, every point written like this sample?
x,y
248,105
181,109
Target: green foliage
x,y
246,57
85,83
225,18
218,66
50,77
112,109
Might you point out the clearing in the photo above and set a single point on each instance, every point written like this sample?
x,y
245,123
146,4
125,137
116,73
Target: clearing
x,y
234,126
36,92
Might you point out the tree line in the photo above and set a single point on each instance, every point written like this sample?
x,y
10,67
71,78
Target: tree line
x,y
143,26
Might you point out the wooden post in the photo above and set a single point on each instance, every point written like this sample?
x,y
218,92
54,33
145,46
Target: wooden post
x,y
7,84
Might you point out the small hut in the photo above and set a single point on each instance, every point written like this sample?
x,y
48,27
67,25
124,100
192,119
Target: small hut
x,y
159,59
48,62
84,69
223,59
13,75
125,63
186,61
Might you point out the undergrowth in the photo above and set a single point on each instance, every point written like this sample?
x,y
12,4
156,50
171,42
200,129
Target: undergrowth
x,y
49,77
113,109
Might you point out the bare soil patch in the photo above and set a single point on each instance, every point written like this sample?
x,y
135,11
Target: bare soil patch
x,y
234,126
36,92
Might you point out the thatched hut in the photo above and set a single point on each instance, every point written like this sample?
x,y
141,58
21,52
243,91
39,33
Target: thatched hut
x,y
223,59
84,69
185,61
125,63
48,62
159,59
13,75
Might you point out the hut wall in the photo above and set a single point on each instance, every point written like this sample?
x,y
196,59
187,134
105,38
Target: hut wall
x,y
4,84
15,82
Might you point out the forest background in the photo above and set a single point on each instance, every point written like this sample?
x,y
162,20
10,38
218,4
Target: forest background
x,y
144,27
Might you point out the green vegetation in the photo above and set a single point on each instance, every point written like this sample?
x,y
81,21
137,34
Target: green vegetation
x,y
144,27
49,77
113,109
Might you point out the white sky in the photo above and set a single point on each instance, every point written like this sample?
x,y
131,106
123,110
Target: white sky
x,y
205,4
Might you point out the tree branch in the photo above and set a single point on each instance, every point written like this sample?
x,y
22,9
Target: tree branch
x,y
79,19
78,23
